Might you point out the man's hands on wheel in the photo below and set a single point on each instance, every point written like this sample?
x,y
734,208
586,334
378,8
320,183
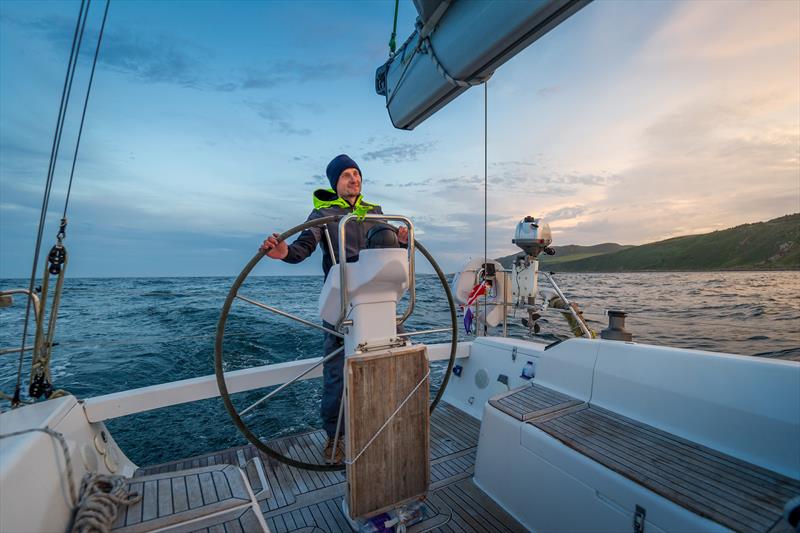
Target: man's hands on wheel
x,y
274,247
278,249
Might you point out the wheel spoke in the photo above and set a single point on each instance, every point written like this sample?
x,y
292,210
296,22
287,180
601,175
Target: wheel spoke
x,y
298,376
423,332
289,315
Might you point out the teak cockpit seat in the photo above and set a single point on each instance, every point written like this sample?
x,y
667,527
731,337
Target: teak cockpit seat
x,y
193,500
731,492
719,487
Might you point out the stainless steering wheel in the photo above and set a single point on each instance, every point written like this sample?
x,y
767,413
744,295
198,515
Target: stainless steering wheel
x,y
236,416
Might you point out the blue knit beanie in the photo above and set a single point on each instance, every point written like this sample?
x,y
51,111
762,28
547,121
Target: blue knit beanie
x,y
339,164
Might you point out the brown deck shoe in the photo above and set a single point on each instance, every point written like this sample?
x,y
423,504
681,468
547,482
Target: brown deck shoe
x,y
337,457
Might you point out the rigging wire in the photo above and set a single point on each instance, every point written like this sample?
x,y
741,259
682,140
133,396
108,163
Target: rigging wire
x,y
83,114
392,39
65,93
485,186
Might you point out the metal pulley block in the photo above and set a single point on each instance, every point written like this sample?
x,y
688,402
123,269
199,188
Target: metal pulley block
x,y
56,259
40,386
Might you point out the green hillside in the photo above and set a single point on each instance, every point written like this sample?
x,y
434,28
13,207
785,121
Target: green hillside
x,y
570,252
774,244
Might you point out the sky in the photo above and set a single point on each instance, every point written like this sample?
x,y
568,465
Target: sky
x,y
210,125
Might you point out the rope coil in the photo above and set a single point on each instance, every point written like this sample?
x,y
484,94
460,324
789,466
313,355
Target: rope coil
x,y
101,497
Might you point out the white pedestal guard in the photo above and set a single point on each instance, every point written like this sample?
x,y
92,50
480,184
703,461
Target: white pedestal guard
x,y
374,285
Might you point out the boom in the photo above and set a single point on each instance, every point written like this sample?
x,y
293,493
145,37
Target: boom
x,y
457,44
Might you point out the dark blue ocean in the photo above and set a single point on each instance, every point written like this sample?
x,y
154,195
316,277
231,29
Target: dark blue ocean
x,y
119,334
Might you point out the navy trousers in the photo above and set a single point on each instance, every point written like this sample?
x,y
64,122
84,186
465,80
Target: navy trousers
x,y
332,383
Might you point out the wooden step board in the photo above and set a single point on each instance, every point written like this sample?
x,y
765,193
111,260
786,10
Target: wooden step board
x,y
731,492
190,500
387,428
532,400
302,501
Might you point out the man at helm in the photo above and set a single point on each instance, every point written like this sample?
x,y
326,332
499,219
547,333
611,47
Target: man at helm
x,y
342,198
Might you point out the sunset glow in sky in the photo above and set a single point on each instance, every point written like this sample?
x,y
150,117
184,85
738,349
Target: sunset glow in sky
x,y
210,125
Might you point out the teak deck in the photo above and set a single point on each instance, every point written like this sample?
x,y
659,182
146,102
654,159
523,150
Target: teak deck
x,y
204,497
300,500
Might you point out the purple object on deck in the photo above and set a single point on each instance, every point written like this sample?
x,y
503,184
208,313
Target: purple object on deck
x,y
468,320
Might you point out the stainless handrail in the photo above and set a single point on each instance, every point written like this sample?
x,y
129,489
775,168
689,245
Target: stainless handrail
x,y
330,244
34,298
35,301
343,263
506,288
584,328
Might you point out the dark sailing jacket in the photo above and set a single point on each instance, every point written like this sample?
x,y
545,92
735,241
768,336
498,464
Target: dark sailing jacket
x,y
326,203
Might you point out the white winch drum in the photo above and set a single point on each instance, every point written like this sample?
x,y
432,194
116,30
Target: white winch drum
x,y
468,277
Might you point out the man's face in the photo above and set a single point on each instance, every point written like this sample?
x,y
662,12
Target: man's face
x,y
349,183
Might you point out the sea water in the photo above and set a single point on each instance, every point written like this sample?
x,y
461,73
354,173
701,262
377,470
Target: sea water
x,y
125,333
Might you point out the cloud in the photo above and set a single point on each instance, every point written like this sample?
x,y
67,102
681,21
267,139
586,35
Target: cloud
x,y
21,154
524,178
515,163
455,236
582,179
157,59
150,58
421,184
283,72
695,34
706,164
277,117
548,91
161,58
566,212
318,179
461,180
398,153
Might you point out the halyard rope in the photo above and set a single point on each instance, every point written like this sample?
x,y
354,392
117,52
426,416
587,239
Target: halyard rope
x,y
73,59
40,375
386,423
